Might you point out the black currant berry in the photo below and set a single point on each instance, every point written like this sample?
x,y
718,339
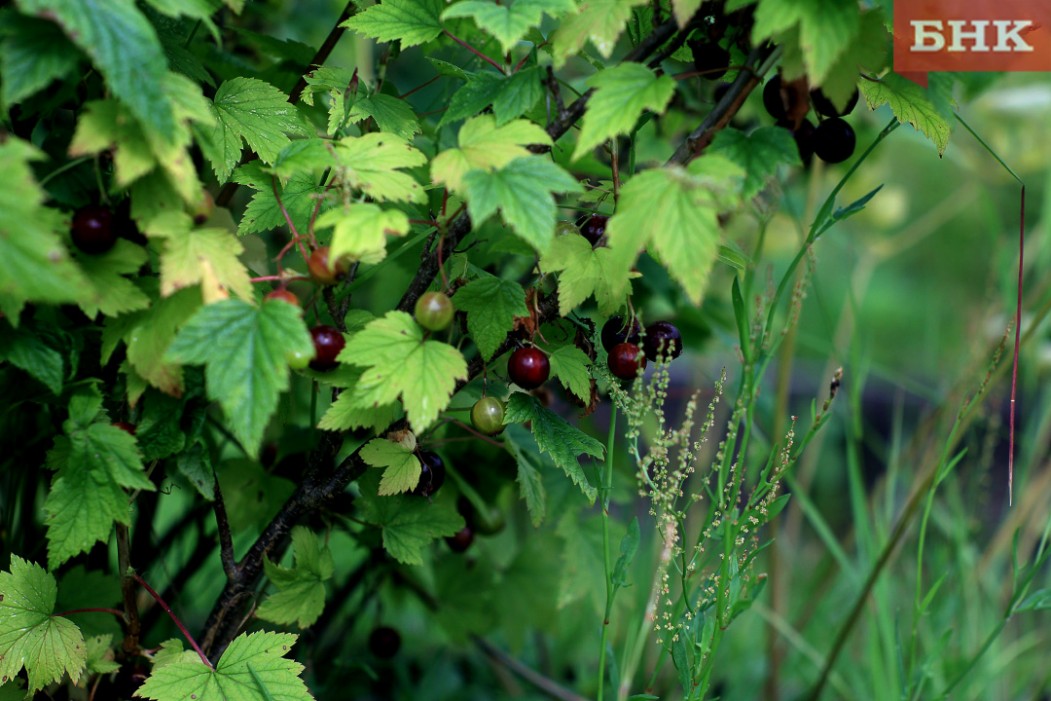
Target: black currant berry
x,y
804,138
462,540
328,342
710,60
617,330
772,100
93,231
528,367
594,228
824,107
384,642
662,340
834,140
432,474
626,361
125,426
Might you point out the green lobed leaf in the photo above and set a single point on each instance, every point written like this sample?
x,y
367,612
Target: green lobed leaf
x,y
124,47
570,365
252,110
509,23
392,115
826,29
673,211
31,637
911,105
867,53
621,95
112,292
372,163
585,270
582,571
253,668
95,461
300,596
492,304
523,191
598,21
400,363
401,467
411,22
244,350
34,264
33,53
205,257
484,145
758,153
521,445
360,231
344,415
100,655
263,212
409,523
26,351
556,437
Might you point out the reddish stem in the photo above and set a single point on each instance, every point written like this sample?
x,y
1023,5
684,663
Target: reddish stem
x,y
288,219
116,612
474,51
420,87
175,619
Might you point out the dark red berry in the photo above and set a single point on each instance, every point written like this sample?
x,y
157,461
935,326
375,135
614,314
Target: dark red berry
x,y
432,474
328,342
384,642
824,107
125,426
528,367
617,330
626,361
461,540
284,295
594,228
322,270
772,99
93,230
710,60
662,340
834,140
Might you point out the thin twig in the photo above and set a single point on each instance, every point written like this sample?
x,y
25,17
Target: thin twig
x,y
548,686
474,51
226,543
127,591
175,619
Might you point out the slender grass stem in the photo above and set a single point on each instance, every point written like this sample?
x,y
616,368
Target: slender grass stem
x,y
607,486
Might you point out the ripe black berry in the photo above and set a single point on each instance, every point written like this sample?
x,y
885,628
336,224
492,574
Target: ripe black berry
x,y
384,642
834,140
328,342
662,340
432,474
772,100
528,367
625,361
594,228
125,426
617,330
93,231
710,60
462,540
824,107
804,138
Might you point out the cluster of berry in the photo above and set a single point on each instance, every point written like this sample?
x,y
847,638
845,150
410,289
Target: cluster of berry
x,y
832,140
